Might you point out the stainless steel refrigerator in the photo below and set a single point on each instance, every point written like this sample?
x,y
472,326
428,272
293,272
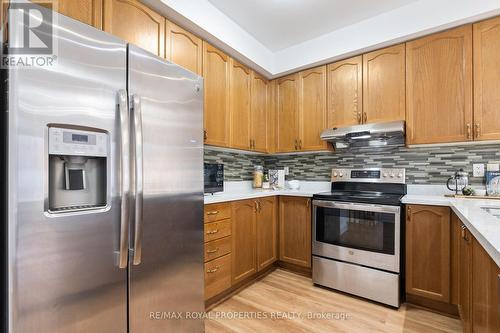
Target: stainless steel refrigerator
x,y
104,189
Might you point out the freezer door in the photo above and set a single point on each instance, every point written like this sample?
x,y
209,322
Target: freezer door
x,y
63,268
166,270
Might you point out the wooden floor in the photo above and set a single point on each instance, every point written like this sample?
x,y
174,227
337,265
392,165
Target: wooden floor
x,y
281,297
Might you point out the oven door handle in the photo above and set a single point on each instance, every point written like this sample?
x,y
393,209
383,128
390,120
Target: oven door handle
x,y
357,206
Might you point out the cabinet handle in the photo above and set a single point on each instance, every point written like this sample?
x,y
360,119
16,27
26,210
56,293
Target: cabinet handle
x,y
463,233
213,270
469,132
260,206
307,203
478,130
256,208
359,117
213,251
300,144
296,144
205,135
211,232
213,212
365,118
408,217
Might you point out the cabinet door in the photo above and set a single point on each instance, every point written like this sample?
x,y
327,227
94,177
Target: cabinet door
x,y
344,92
295,230
267,233
487,79
216,79
134,22
85,11
244,253
485,289
465,280
384,85
239,108
312,108
428,252
439,87
287,101
183,48
259,112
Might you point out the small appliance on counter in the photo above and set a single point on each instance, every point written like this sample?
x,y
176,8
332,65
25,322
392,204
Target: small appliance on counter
x,y
458,182
277,179
213,177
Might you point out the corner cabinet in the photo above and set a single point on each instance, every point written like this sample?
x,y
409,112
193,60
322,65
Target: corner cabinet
x,y
183,48
136,23
384,85
428,252
287,108
244,235
240,83
295,230
267,233
216,69
85,11
345,96
439,87
487,79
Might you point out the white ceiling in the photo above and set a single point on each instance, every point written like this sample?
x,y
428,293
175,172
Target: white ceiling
x,y
279,24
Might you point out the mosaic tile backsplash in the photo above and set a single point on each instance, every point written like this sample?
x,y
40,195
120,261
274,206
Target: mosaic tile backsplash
x,y
424,165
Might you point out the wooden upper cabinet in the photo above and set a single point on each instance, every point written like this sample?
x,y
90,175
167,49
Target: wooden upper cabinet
x,y
244,251
267,233
287,105
85,11
439,87
487,80
295,230
344,92
183,48
485,291
384,85
239,95
428,252
134,22
312,108
216,70
271,118
260,105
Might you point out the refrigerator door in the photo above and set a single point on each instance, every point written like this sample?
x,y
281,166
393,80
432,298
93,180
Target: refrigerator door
x,y
166,276
63,269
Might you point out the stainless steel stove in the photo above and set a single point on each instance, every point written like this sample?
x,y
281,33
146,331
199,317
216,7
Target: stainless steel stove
x,y
357,233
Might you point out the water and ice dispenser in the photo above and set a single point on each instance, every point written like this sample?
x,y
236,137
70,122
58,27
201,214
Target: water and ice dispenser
x,y
77,169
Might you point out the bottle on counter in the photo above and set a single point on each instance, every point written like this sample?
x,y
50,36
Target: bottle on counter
x,y
266,184
258,176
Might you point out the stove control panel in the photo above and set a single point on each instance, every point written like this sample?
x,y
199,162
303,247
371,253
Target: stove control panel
x,y
372,175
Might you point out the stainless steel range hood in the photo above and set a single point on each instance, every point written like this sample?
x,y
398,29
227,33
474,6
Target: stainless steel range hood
x,y
370,135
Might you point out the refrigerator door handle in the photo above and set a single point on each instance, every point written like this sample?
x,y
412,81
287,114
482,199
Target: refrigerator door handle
x,y
139,177
124,177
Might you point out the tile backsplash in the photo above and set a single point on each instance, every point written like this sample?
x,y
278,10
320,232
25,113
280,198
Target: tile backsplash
x,y
424,165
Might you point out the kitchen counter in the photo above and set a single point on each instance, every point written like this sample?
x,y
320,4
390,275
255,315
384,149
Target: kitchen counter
x,y
483,226
243,190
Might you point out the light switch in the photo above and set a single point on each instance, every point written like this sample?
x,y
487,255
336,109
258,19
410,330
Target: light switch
x,y
478,170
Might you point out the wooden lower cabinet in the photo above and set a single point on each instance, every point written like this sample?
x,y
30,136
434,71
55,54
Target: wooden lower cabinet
x,y
485,291
295,230
428,252
465,279
244,239
267,233
217,276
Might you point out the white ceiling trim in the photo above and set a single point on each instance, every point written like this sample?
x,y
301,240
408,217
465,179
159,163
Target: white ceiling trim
x,y
413,20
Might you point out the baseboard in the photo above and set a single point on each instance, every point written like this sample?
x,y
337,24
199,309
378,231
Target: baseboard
x,y
447,309
305,271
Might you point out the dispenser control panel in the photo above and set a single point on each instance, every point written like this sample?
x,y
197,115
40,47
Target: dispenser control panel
x,y
64,141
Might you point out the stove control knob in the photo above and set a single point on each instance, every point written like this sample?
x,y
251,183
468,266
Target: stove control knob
x,y
385,174
400,175
341,174
392,175
335,174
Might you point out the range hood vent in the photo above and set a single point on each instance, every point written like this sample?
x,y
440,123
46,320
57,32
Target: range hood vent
x,y
385,134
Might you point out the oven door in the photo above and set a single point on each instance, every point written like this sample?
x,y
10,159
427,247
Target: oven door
x,y
363,234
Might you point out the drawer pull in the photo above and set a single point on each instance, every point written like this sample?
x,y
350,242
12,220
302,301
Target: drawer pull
x,y
213,251
213,270
214,212
211,232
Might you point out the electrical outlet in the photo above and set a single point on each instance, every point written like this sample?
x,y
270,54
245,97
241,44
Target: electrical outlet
x,y
478,170
287,170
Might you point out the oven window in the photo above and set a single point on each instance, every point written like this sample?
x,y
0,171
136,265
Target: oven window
x,y
370,231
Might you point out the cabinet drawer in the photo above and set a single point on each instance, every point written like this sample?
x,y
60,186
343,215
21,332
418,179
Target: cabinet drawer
x,y
217,230
216,212
217,248
217,276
